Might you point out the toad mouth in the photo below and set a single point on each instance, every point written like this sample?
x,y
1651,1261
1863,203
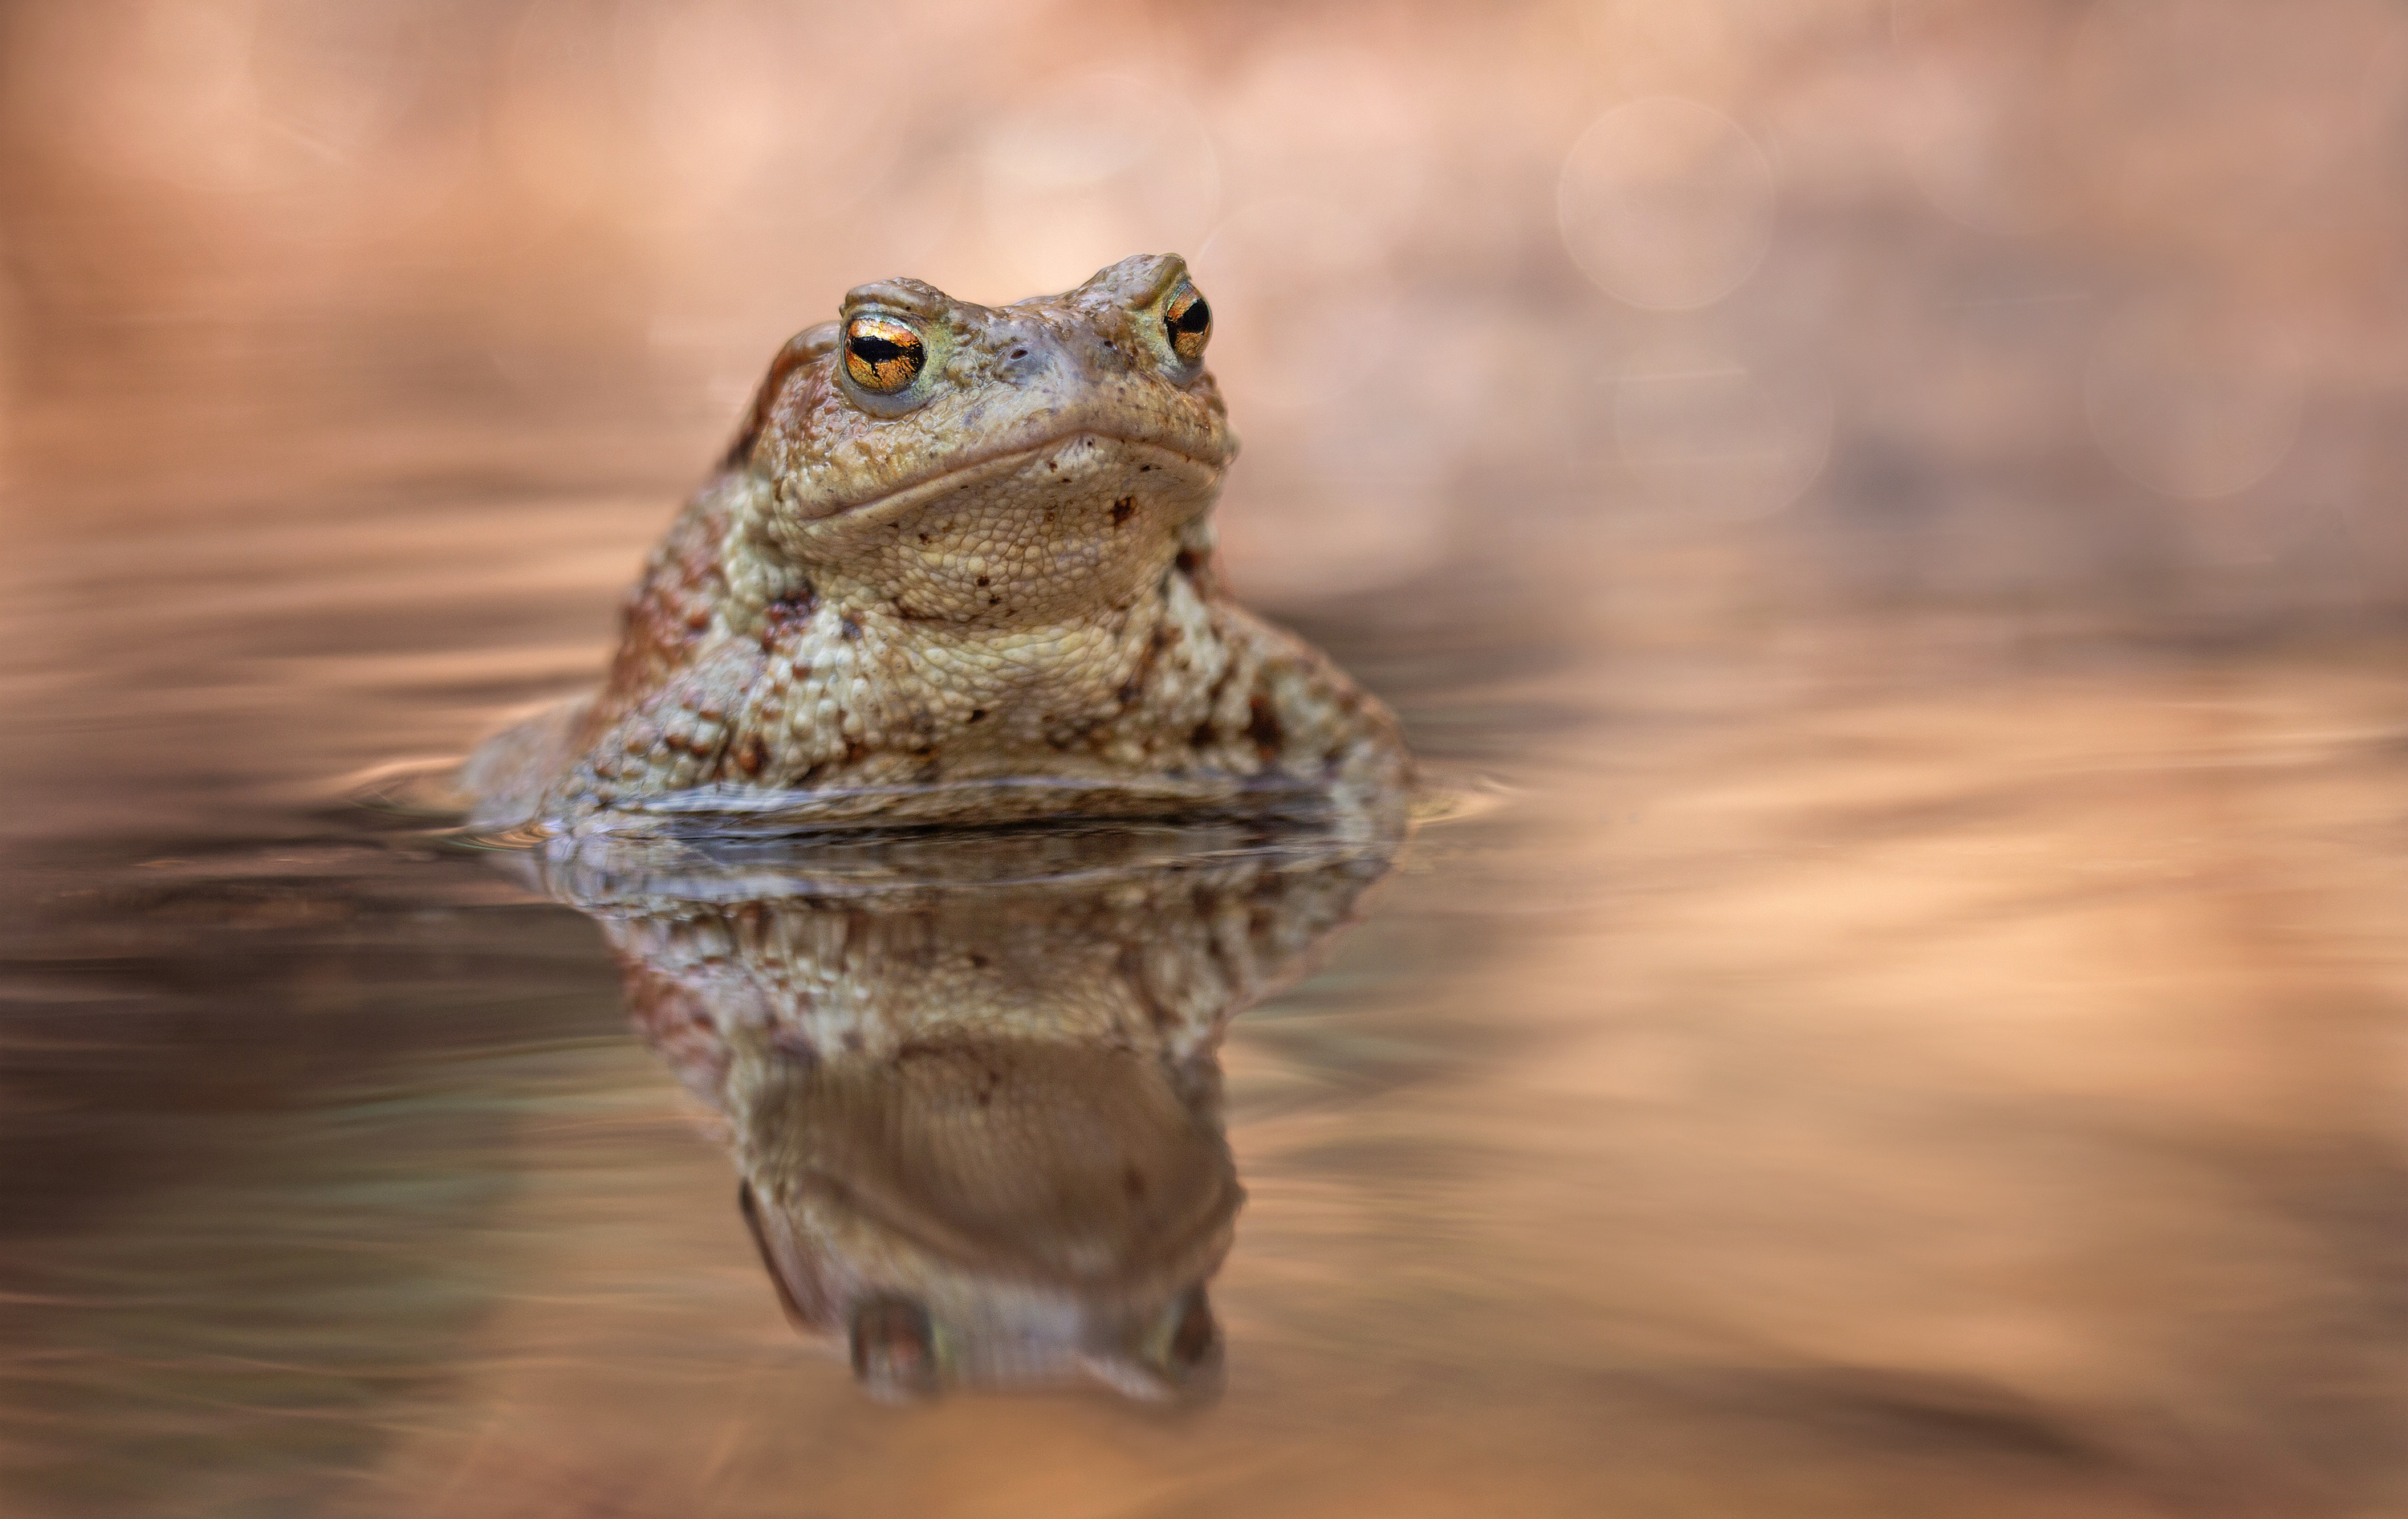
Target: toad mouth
x,y
978,472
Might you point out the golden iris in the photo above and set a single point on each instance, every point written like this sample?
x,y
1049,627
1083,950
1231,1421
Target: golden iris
x,y
1188,320
883,354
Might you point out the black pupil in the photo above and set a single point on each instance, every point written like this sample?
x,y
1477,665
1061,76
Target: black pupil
x,y
1191,319
880,349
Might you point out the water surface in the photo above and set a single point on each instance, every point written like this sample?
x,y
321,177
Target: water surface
x,y
1810,1080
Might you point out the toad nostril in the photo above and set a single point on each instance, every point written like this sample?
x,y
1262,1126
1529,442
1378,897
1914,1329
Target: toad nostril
x,y
1020,352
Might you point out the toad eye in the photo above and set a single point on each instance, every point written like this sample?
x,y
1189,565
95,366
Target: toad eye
x,y
883,354
1187,322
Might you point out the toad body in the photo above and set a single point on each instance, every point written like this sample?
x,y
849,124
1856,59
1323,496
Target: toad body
x,y
957,567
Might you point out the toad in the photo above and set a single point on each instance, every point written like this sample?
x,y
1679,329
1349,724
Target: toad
x,y
956,567
970,1082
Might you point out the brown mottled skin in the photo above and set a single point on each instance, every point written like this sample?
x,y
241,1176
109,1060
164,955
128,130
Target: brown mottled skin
x,y
991,600
970,1082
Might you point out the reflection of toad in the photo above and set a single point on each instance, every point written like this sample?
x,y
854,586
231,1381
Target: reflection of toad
x,y
971,1081
958,568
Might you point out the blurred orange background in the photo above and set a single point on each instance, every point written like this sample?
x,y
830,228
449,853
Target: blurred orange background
x,y
2096,304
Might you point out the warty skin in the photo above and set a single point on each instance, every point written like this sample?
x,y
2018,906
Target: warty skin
x,y
987,598
969,1082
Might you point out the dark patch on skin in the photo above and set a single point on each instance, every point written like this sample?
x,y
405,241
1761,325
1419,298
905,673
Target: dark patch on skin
x,y
1204,736
1133,1184
983,581
977,712
851,627
788,612
909,614
1123,509
1062,735
1263,727
1132,969
1210,731
1134,685
1197,566
1219,953
853,1041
